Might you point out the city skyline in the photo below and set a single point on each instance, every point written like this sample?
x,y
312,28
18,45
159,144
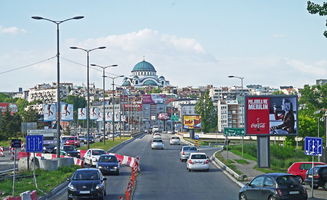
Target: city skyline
x,y
190,43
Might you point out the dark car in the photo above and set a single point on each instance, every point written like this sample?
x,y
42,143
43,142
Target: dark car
x,y
69,150
300,168
319,177
274,186
108,164
83,139
87,183
50,148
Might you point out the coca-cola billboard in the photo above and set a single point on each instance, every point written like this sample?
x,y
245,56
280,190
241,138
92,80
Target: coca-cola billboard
x,y
271,115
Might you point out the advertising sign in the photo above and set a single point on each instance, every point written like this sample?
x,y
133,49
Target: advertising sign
x,y
271,115
81,113
131,107
12,108
67,112
192,121
163,116
49,112
147,99
94,113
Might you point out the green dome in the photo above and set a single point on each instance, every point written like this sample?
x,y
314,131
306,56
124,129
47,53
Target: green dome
x,y
144,66
126,83
150,83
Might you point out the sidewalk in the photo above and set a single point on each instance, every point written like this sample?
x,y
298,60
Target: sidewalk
x,y
250,172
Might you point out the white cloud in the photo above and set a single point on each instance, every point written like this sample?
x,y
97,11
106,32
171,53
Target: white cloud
x,y
317,68
11,30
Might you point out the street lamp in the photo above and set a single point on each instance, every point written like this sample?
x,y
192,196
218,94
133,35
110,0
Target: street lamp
x,y
113,104
58,73
242,118
88,88
104,103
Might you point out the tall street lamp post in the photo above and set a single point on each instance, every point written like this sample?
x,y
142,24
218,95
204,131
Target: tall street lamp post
x,y
104,102
113,104
242,118
58,73
88,88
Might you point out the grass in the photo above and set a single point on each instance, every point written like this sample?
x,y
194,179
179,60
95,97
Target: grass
x,y
109,143
46,181
229,163
242,162
7,143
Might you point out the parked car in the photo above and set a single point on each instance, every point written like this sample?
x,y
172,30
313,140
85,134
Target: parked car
x,y
274,186
87,183
300,168
108,164
92,156
157,144
186,151
319,177
68,150
197,161
175,140
157,136
70,140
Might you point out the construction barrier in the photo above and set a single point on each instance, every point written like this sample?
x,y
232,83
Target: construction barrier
x,y
28,195
1,152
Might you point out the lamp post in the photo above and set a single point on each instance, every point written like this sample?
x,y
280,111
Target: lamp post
x,y
113,104
88,88
58,72
242,118
104,103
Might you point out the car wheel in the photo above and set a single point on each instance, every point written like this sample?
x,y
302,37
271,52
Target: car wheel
x,y
325,186
271,198
243,196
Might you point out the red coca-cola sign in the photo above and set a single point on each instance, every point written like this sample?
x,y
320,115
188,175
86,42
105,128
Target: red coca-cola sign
x,y
257,115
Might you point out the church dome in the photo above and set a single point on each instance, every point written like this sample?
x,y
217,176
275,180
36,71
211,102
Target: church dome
x,y
150,83
144,66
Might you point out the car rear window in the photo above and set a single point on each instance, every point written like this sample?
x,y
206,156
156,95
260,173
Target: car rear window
x,y
157,140
98,152
199,156
308,166
287,180
108,159
86,175
175,138
193,149
69,148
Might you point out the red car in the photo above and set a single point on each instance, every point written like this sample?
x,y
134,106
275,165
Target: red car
x,y
300,168
72,140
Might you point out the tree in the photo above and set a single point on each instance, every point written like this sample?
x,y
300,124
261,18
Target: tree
x,y
314,8
208,112
9,125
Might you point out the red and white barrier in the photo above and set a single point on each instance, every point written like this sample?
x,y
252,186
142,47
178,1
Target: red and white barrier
x,y
1,152
28,195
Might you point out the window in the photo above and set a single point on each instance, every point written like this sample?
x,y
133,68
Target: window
x,y
199,156
269,182
258,182
305,166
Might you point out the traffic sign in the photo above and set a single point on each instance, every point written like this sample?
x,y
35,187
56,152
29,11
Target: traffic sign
x,y
234,132
174,118
313,146
196,137
16,143
34,143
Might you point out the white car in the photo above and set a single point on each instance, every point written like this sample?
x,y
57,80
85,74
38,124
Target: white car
x,y
175,140
156,136
197,161
92,156
157,144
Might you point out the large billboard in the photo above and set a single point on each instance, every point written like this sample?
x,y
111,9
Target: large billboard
x,y
95,113
12,108
67,112
271,115
49,112
192,121
81,113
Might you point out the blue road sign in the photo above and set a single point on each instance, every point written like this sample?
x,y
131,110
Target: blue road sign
x,y
313,146
34,143
196,137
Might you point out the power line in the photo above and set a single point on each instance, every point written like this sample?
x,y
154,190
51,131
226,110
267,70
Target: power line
x,y
26,66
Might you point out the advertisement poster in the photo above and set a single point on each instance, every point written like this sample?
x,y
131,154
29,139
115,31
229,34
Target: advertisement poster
x,y
81,113
271,115
49,112
132,107
12,108
109,117
67,112
192,121
94,113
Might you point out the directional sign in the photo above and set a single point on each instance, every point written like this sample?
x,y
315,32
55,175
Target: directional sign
x,y
234,132
34,143
174,118
196,137
313,146
16,143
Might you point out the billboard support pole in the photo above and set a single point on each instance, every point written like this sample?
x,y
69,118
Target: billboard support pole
x,y
263,151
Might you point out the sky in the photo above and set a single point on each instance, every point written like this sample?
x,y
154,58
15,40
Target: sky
x,y
189,42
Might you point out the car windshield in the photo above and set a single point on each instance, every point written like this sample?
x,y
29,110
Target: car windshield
x,y
86,175
108,159
69,148
71,138
287,180
199,156
98,152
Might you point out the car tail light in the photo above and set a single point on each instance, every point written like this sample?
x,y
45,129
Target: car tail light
x,y
183,153
190,161
207,161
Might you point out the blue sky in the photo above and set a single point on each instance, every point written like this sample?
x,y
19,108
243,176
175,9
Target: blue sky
x,y
190,42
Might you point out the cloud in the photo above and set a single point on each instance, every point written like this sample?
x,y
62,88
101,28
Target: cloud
x,y
278,35
11,30
317,68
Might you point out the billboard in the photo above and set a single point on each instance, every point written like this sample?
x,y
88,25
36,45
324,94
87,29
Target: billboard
x,y
163,116
271,115
67,112
191,121
81,113
49,112
12,108
94,113
132,107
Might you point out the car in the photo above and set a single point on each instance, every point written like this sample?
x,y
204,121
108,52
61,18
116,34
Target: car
x,y
68,150
186,151
71,140
83,139
197,161
157,136
300,168
49,148
87,183
157,144
175,140
319,177
92,156
108,163
274,186
170,132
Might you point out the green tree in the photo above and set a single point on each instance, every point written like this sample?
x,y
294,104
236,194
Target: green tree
x,y
29,115
208,112
9,125
314,8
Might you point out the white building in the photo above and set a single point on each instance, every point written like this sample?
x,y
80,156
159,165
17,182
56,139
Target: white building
x,y
230,114
227,93
48,93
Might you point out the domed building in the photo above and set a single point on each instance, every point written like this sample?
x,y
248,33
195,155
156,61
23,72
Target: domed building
x,y
145,75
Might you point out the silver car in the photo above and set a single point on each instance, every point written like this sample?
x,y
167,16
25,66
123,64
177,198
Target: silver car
x,y
157,144
186,151
175,140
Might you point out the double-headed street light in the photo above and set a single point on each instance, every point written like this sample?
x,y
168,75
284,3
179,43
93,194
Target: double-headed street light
x,y
88,88
58,73
104,103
